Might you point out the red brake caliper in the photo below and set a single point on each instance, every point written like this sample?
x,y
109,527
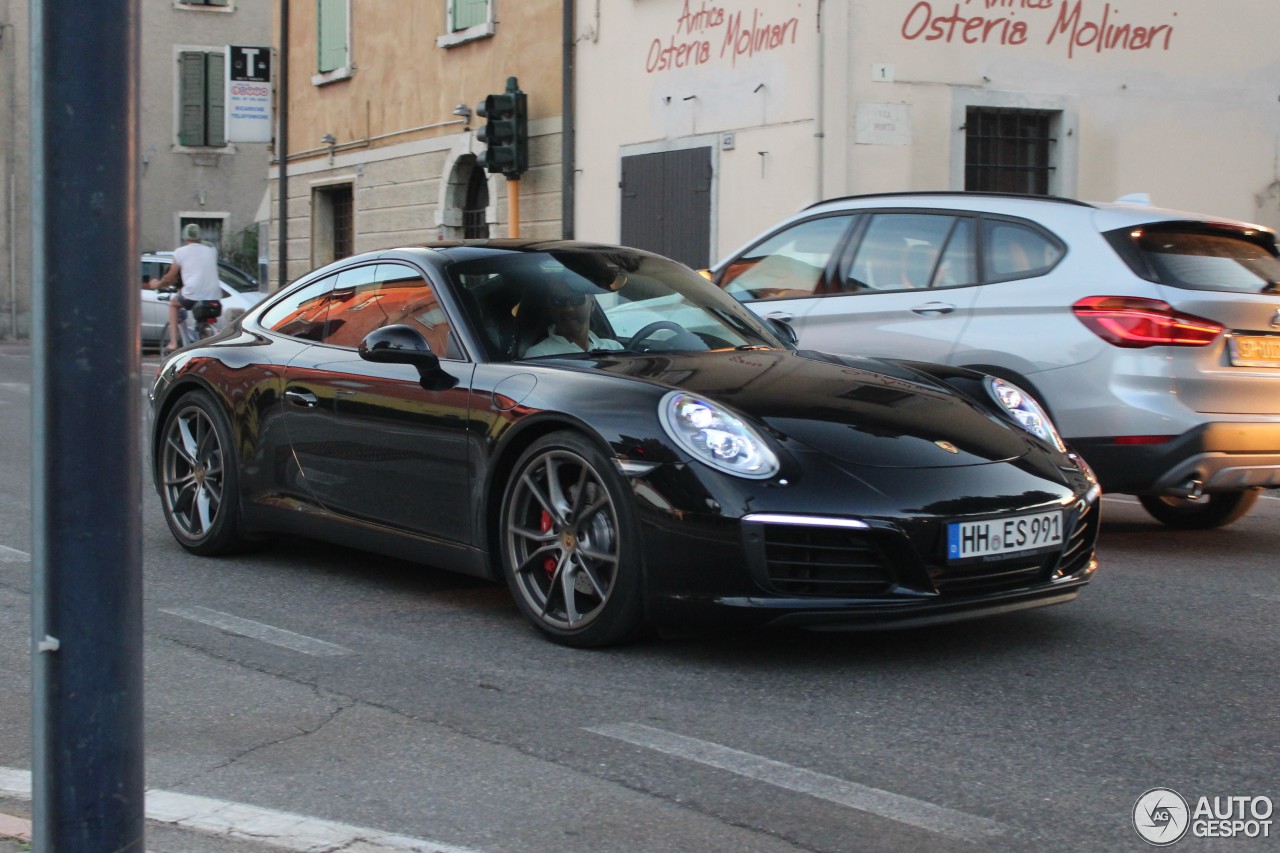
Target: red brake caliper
x,y
544,524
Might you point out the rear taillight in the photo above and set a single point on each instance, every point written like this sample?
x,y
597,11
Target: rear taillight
x,y
1133,322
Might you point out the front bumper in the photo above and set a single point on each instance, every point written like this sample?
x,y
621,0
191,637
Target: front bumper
x,y
885,571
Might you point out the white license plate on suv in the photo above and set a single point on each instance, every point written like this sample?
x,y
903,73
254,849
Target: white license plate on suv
x,y
1001,536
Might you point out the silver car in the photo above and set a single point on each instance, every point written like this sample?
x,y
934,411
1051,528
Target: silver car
x,y
239,294
1152,336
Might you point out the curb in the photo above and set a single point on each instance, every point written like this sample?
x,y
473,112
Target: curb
x,y
14,828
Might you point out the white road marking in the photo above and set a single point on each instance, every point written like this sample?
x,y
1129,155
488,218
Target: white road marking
x,y
908,810
1121,499
20,387
281,830
259,631
13,555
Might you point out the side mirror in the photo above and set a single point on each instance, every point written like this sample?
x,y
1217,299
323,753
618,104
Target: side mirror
x,y
784,330
400,344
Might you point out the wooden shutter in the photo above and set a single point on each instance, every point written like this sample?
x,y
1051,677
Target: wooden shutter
x,y
332,40
469,13
216,99
191,86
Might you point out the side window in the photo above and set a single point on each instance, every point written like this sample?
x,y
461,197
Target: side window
x,y
354,309
202,117
901,251
790,263
372,297
959,260
1018,251
154,270
302,313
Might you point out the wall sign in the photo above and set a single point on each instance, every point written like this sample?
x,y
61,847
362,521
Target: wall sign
x,y
249,94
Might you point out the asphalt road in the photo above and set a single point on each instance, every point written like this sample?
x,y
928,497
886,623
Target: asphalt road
x,y
367,692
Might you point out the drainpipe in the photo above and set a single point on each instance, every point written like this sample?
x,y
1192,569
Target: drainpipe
x,y
568,160
13,255
282,152
819,131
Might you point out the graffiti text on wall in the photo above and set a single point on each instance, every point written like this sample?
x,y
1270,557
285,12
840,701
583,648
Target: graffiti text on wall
x,y
1076,25
709,33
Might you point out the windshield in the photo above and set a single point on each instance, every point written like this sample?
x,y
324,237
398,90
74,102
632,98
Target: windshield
x,y
235,279
1200,259
585,300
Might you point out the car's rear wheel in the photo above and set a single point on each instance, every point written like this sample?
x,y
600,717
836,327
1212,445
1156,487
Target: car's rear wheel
x,y
1203,513
199,481
570,543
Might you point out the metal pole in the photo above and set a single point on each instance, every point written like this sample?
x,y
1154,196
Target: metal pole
x,y
513,207
282,151
568,142
87,778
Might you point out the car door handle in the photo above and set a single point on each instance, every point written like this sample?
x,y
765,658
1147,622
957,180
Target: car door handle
x,y
301,398
934,308
784,316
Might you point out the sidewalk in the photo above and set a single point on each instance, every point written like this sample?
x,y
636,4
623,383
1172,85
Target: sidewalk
x,y
15,836
181,823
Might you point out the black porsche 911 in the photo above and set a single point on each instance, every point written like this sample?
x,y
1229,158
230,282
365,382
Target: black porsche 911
x,y
620,442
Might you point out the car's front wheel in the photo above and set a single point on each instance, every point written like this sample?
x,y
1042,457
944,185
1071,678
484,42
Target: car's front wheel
x,y
570,543
1208,511
199,480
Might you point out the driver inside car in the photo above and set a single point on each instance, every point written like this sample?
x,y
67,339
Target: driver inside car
x,y
570,311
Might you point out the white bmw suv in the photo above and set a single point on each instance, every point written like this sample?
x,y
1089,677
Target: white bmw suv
x,y
1152,336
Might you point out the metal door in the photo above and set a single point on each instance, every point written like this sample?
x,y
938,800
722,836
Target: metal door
x,y
666,204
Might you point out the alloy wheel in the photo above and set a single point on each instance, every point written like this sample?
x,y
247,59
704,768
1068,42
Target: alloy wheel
x,y
193,472
562,539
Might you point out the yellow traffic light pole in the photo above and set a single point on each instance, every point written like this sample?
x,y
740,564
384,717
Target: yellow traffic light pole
x,y
513,206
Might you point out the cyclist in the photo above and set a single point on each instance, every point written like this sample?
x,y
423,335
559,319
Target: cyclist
x,y
195,264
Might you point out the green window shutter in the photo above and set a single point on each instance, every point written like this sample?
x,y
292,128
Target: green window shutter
x,y
191,86
332,15
218,2
216,116
469,13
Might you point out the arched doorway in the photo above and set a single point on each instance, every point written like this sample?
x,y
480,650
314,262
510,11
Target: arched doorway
x,y
475,204
464,200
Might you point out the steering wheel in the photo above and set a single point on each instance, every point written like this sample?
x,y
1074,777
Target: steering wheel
x,y
655,326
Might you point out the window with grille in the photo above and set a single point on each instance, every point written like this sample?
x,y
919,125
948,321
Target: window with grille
x,y
333,223
202,94
210,229
1010,150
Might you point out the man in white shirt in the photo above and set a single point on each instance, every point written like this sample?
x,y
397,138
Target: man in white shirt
x,y
570,330
195,264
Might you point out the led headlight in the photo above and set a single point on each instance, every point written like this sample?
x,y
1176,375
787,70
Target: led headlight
x,y
715,437
1024,410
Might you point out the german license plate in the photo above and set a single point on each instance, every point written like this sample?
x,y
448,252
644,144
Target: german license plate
x,y
1003,536
1255,350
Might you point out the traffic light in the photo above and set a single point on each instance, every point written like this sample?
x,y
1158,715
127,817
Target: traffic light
x,y
505,133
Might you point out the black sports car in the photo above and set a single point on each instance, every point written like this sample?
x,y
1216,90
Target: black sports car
x,y
621,442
